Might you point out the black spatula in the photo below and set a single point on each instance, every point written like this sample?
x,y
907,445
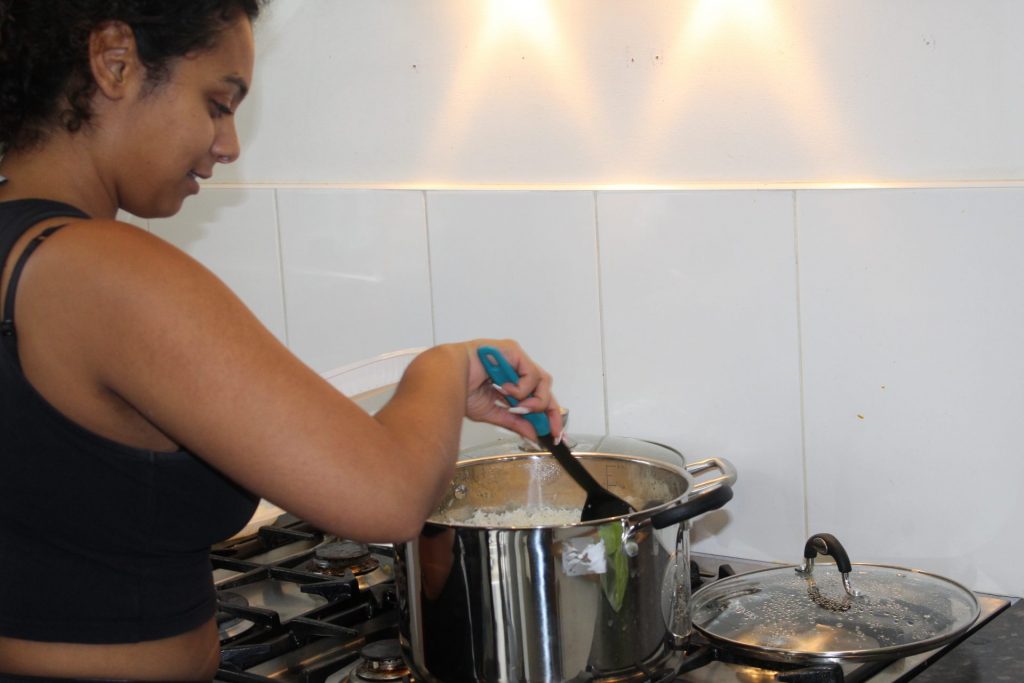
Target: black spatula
x,y
600,503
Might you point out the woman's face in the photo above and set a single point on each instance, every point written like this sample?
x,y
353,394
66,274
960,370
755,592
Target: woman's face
x,y
176,134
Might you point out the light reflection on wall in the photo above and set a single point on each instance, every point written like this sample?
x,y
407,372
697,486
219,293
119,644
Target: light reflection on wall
x,y
755,55
711,16
506,29
741,51
529,18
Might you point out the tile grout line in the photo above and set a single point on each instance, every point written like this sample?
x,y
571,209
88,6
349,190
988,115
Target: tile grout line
x,y
800,361
430,270
725,186
600,313
280,267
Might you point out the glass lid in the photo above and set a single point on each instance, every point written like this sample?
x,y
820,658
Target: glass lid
x,y
831,612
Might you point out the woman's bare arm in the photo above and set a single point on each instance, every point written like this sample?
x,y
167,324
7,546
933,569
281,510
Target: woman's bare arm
x,y
136,317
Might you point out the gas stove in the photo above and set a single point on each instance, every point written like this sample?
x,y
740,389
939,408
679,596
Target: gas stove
x,y
296,604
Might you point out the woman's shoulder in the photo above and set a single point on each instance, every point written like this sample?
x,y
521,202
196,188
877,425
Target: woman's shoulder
x,y
28,217
122,271
116,243
80,249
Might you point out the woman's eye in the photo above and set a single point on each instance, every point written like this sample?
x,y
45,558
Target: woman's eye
x,y
218,109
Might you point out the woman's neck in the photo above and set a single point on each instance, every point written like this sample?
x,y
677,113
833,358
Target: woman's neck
x,y
59,169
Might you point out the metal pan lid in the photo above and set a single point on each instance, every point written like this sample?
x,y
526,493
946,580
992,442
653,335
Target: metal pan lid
x,y
833,612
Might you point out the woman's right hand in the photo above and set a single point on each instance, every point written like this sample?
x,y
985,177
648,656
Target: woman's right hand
x,y
485,402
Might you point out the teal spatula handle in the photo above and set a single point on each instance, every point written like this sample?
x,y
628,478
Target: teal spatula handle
x,y
500,373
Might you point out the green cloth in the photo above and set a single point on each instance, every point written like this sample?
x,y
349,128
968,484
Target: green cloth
x,y
614,579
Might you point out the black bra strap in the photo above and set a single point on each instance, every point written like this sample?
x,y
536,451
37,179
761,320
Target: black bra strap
x,y
7,325
18,215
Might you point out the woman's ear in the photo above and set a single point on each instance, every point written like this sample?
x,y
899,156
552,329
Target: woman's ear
x,y
114,58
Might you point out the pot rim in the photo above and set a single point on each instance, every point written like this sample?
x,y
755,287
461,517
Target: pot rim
x,y
630,519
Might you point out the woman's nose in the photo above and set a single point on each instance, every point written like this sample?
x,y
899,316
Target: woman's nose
x,y
226,147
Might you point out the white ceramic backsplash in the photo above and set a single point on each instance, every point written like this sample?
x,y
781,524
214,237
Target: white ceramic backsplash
x,y
863,344
356,273
912,307
700,323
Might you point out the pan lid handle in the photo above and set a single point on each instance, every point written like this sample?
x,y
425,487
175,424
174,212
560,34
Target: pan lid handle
x,y
827,544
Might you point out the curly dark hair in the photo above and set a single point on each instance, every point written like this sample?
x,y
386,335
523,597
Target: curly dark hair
x,y
45,78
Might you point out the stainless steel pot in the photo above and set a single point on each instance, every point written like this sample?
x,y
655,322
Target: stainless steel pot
x,y
534,601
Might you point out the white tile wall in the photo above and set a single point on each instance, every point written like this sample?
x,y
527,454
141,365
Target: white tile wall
x,y
234,233
866,339
524,265
700,317
356,273
582,91
914,376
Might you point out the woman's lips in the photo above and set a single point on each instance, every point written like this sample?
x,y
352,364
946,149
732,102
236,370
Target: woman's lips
x,y
193,182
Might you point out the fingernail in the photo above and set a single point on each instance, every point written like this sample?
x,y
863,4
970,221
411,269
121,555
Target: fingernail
x,y
515,410
497,387
558,439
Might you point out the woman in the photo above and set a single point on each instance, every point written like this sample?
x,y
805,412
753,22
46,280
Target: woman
x,y
144,409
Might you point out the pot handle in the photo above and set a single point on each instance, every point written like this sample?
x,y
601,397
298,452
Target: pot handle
x,y
699,467
707,495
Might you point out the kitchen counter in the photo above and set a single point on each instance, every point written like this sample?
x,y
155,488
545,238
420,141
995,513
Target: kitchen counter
x,y
994,653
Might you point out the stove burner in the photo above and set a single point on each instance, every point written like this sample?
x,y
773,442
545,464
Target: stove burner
x,y
381,661
334,559
230,625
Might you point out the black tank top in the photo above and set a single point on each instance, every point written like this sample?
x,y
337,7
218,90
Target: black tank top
x,y
99,542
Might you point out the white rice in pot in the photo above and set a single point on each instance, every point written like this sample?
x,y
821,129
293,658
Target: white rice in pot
x,y
542,516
